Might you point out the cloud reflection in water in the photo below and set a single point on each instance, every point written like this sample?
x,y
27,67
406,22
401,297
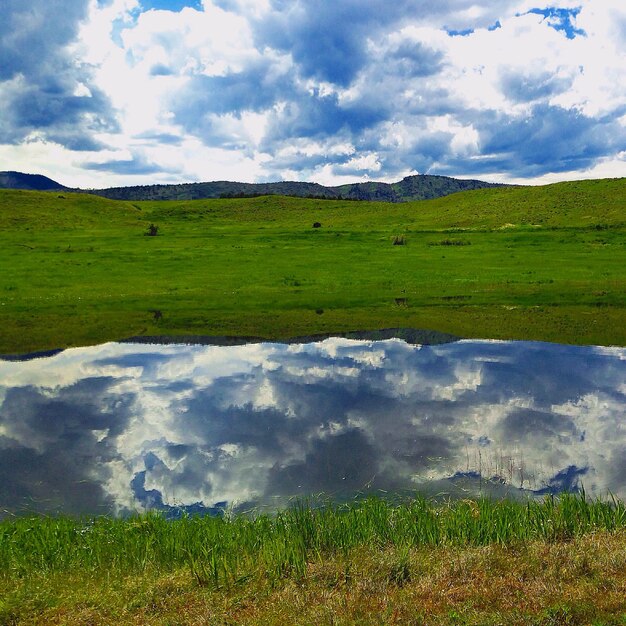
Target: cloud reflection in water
x,y
124,427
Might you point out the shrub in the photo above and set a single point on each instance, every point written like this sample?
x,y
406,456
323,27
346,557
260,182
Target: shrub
x,y
451,242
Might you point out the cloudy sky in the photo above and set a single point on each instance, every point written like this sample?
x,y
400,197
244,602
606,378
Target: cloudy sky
x,y
120,92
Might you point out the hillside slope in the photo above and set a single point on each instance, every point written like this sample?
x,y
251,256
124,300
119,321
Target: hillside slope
x,y
545,263
23,210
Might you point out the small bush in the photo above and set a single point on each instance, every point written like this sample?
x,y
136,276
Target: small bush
x,y
152,231
316,225
451,242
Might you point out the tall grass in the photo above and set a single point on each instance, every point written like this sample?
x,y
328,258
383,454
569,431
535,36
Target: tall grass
x,y
226,550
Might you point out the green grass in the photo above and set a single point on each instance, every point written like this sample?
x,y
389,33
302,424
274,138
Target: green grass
x,y
305,550
545,263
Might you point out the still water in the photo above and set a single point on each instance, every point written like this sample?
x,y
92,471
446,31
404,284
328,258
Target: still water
x,y
128,427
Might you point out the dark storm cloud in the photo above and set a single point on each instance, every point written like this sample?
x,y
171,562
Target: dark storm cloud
x,y
547,139
347,461
198,106
329,40
543,426
618,467
254,89
56,448
305,114
39,76
553,139
521,87
321,116
412,59
550,377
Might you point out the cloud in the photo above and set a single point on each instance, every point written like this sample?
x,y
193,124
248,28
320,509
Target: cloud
x,y
47,93
137,165
535,143
58,450
248,88
412,59
526,87
329,41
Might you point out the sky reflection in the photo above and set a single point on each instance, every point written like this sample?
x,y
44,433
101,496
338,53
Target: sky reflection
x,y
125,427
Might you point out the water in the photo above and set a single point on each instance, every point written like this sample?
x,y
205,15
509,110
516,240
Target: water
x,y
127,427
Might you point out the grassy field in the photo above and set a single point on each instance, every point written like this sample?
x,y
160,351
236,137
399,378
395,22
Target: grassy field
x,y
545,263
561,561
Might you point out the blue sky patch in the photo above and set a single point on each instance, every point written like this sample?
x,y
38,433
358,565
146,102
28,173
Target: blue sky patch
x,y
460,33
170,5
561,20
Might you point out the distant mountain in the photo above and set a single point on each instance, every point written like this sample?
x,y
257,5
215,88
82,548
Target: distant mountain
x,y
34,182
218,189
420,187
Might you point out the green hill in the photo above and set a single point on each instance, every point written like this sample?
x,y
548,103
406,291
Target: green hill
x,y
543,263
27,212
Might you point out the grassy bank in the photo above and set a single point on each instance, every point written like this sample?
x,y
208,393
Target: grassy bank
x,y
561,561
545,263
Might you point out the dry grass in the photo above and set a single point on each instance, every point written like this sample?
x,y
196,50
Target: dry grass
x,y
582,581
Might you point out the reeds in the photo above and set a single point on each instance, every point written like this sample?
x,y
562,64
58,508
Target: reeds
x,y
221,551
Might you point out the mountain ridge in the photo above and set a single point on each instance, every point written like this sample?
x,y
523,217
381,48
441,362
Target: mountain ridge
x,y
416,187
31,182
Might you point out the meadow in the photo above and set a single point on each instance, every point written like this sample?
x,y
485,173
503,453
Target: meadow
x,y
559,561
543,263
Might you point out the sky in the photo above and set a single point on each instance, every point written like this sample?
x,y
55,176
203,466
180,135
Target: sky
x,y
99,93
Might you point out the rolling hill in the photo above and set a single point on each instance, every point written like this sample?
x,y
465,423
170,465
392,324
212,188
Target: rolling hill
x,y
545,263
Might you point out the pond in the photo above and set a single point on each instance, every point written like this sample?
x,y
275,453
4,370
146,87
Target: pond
x,y
125,427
